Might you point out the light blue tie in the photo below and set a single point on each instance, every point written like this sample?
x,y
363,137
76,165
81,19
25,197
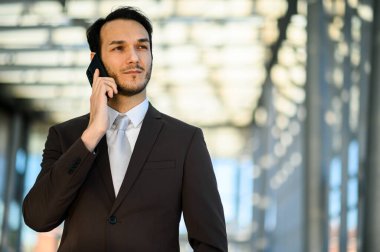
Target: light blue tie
x,y
119,151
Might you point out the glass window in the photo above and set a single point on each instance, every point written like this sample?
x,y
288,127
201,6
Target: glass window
x,y
334,203
352,230
245,194
226,173
352,192
353,158
334,228
335,172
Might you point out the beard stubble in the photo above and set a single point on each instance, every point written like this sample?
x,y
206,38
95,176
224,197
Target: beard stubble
x,y
127,89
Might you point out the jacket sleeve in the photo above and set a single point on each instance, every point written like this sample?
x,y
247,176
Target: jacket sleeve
x,y
202,207
61,176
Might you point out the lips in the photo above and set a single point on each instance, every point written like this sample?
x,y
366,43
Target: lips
x,y
133,71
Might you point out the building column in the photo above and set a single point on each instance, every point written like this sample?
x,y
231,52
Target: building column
x,y
371,185
314,202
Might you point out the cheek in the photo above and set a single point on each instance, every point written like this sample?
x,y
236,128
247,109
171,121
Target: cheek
x,y
113,61
146,58
113,65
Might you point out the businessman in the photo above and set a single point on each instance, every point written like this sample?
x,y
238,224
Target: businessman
x,y
120,177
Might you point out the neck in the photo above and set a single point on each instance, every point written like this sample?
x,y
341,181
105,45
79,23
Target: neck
x,y
123,103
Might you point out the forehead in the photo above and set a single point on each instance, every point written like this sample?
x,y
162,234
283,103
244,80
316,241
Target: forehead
x,y
122,29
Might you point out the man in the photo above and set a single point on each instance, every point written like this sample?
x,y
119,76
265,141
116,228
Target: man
x,y
129,201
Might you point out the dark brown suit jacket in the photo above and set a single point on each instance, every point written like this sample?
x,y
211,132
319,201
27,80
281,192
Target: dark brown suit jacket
x,y
170,171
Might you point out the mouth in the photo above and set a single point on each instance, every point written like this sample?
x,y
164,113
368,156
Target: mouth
x,y
132,71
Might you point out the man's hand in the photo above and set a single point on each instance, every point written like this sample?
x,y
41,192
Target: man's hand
x,y
102,89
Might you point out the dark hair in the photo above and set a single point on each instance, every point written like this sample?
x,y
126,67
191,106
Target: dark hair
x,y
128,13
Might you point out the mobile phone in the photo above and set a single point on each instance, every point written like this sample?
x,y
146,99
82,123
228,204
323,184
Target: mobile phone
x,y
96,63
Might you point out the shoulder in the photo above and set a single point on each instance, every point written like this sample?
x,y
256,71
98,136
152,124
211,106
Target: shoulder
x,y
171,121
75,124
177,122
66,133
175,128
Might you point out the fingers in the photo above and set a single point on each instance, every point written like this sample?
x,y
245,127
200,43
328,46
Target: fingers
x,y
103,88
108,86
103,85
110,82
96,75
110,93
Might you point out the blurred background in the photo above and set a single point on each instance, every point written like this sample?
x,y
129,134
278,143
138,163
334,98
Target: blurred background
x,y
286,91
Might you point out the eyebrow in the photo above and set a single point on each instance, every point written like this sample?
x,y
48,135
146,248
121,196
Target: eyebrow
x,y
143,40
119,42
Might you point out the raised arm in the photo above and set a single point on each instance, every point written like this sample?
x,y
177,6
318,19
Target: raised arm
x,y
62,174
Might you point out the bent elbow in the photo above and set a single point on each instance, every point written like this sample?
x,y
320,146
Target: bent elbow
x,y
36,219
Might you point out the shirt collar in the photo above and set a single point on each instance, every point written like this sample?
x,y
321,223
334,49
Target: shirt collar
x,y
136,114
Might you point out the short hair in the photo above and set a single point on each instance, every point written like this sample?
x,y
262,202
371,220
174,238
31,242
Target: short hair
x,y
127,13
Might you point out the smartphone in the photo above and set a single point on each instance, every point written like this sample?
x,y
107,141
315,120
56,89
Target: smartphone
x,y
96,63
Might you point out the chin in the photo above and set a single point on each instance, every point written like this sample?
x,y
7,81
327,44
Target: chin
x,y
129,90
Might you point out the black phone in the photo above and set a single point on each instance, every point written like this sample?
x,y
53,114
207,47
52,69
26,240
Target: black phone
x,y
96,63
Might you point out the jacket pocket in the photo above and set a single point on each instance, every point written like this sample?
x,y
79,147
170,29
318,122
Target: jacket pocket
x,y
159,165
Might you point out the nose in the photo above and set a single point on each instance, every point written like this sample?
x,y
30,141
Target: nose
x,y
132,56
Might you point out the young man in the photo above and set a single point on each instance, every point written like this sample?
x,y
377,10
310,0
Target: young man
x,y
123,188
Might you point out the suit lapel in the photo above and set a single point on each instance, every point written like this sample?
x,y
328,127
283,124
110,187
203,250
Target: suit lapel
x,y
104,167
149,132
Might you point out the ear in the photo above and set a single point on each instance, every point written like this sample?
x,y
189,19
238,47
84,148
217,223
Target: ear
x,y
92,54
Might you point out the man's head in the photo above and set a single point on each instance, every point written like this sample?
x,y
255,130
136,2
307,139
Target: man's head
x,y
124,42
127,13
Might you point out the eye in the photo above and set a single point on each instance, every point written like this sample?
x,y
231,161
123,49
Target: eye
x,y
118,48
144,47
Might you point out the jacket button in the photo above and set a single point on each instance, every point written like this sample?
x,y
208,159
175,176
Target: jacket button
x,y
112,220
74,165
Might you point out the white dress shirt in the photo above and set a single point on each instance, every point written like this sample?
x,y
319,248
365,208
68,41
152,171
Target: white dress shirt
x,y
135,116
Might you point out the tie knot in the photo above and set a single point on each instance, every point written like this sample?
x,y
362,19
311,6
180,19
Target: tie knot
x,y
121,122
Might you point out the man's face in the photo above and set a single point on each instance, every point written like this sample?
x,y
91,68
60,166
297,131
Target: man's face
x,y
126,54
